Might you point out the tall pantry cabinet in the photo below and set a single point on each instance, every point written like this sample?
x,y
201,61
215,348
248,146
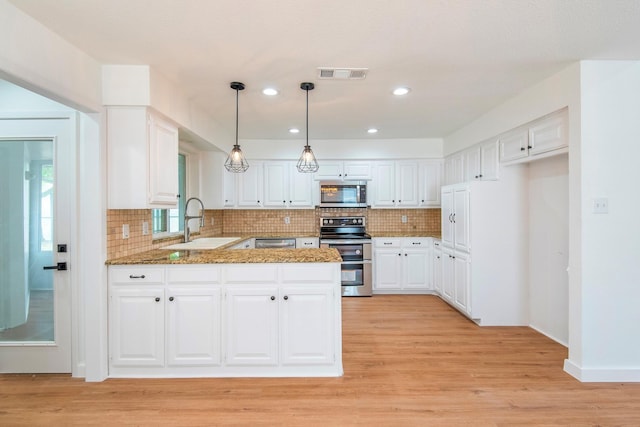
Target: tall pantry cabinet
x,y
484,248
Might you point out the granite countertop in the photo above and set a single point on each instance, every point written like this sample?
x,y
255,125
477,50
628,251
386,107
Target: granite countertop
x,y
405,234
230,256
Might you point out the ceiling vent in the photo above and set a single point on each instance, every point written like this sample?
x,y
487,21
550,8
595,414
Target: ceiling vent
x,y
342,73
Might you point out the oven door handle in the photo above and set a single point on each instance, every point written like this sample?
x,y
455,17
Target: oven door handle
x,y
364,261
346,242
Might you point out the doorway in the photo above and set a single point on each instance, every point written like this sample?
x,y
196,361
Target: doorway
x,y
36,169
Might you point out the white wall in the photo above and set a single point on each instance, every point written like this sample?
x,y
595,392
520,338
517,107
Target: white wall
x,y
610,290
344,149
549,247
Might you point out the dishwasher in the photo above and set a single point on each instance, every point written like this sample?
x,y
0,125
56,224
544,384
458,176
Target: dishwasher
x,y
274,243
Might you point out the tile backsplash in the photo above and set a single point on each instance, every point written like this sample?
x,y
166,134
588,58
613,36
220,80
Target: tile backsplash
x,y
256,221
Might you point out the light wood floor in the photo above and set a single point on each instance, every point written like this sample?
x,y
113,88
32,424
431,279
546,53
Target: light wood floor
x,y
408,360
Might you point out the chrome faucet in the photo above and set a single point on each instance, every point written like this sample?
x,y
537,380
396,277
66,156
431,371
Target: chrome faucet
x,y
187,217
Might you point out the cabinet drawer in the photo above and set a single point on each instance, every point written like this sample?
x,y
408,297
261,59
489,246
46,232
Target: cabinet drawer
x,y
193,275
310,273
258,273
423,242
141,274
386,243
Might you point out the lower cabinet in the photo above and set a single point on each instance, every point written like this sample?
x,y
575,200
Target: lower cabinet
x,y
436,266
456,286
187,321
402,265
271,326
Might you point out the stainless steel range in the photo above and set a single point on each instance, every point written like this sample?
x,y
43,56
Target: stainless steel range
x,y
348,236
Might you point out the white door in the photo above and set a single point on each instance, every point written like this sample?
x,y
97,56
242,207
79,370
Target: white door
x,y
416,269
36,171
388,267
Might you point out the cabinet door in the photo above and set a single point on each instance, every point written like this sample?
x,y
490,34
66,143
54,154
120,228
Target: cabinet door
x,y
250,188
549,134
457,163
193,326
251,325
163,162
357,170
307,325
136,323
437,271
430,183
513,146
489,161
329,170
416,269
447,217
229,180
300,188
462,285
448,275
388,266
473,171
407,184
276,184
461,219
384,183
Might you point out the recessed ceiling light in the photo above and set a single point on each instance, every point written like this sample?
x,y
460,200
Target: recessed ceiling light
x,y
294,130
401,91
270,91
372,130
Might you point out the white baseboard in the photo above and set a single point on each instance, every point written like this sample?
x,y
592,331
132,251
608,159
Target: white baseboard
x,y
591,375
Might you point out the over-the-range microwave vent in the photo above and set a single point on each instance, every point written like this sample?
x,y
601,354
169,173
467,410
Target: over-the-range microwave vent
x,y
342,73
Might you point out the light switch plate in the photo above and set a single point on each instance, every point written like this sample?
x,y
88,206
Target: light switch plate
x,y
404,219
601,205
125,231
145,228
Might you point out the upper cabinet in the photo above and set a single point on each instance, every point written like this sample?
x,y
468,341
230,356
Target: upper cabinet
x,y
395,184
539,138
142,152
481,161
332,170
430,181
285,187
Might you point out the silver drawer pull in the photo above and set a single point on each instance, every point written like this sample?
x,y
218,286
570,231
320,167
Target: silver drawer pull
x,y
131,276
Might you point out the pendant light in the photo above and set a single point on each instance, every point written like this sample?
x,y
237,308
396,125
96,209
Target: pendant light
x,y
235,161
307,162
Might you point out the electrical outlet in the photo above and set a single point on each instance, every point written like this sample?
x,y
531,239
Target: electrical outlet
x,y
601,205
125,231
404,219
287,220
145,228
212,221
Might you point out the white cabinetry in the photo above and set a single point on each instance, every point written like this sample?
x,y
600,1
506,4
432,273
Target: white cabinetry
x,y
142,151
225,320
454,168
250,188
484,254
307,242
343,170
285,187
402,265
154,326
430,181
481,161
395,184
436,266
537,139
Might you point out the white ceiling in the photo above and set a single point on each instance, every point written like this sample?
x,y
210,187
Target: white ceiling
x,y
459,57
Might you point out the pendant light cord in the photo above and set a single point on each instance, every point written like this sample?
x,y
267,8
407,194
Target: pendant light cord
x,y
307,144
236,116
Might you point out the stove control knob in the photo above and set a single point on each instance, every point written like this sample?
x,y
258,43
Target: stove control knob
x,y
325,221
355,221
360,221
330,221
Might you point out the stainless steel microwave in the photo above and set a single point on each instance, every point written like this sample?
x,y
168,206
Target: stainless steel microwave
x,y
343,194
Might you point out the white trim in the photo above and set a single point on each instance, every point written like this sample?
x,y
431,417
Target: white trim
x,y
602,375
549,336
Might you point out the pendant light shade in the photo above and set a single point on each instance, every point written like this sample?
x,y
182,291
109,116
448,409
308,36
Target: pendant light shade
x,y
307,162
235,161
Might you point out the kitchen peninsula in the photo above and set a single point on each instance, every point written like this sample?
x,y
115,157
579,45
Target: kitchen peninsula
x,y
225,313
